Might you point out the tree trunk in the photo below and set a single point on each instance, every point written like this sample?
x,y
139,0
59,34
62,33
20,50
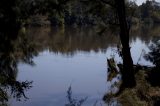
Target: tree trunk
x,y
128,71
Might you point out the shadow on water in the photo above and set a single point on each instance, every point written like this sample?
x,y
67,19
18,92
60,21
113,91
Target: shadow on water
x,y
15,47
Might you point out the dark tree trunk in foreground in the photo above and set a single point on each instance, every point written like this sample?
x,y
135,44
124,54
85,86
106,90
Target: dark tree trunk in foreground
x,y
128,71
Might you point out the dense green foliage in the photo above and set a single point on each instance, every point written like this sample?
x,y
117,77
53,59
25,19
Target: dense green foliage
x,y
150,12
70,12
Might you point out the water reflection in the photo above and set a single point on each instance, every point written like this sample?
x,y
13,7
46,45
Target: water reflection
x,y
86,66
14,48
71,40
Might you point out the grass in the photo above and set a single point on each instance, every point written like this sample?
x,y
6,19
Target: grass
x,y
143,94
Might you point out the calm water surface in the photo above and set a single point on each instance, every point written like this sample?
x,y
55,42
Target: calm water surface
x,y
76,58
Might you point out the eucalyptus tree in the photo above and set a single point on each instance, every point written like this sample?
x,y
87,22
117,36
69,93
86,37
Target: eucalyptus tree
x,y
128,71
114,12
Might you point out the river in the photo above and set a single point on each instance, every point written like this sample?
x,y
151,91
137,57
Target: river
x,y
76,58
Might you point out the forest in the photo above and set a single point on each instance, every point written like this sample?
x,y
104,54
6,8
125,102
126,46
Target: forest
x,y
68,12
29,28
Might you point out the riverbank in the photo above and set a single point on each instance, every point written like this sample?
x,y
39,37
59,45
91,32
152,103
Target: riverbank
x,y
145,93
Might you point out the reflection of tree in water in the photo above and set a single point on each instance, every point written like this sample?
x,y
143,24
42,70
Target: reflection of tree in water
x,y
13,49
69,40
72,40
138,32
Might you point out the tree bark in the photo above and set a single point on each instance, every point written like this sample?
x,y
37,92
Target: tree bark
x,y
128,71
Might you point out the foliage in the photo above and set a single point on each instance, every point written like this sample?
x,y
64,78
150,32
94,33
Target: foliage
x,y
70,12
154,57
14,49
154,54
150,11
72,101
